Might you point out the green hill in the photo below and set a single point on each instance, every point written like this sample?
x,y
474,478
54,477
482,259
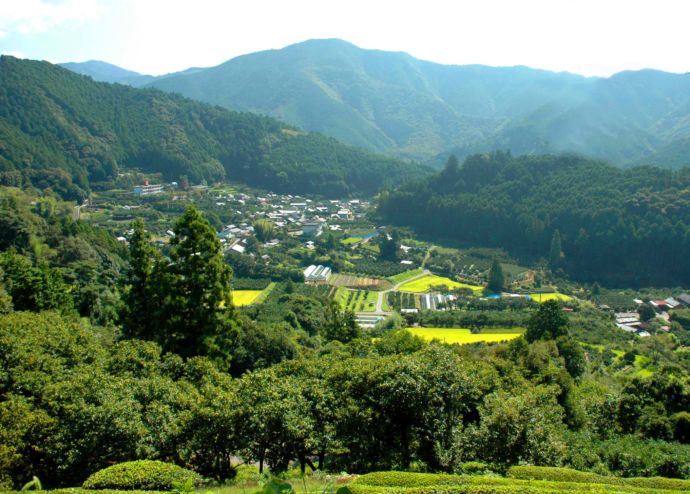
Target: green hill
x,y
65,131
620,227
391,102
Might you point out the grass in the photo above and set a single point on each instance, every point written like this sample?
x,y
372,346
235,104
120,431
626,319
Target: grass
x,y
265,293
350,240
543,297
425,283
311,484
463,336
405,275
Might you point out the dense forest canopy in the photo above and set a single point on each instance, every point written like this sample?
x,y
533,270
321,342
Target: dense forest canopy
x,y
67,132
616,226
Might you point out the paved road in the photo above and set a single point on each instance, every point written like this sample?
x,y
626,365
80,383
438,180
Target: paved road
x,y
379,302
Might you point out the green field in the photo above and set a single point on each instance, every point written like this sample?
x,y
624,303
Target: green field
x,y
543,297
350,240
357,300
405,275
463,336
425,283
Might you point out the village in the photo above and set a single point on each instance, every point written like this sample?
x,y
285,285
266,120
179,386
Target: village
x,y
335,245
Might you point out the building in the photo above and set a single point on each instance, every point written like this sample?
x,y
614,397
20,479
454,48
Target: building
x,y
684,299
317,275
345,214
312,229
147,190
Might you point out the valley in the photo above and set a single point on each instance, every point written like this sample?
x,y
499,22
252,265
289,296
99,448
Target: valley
x,y
213,296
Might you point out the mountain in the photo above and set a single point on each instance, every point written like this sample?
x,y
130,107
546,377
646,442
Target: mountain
x,y
65,131
621,227
384,101
106,72
393,103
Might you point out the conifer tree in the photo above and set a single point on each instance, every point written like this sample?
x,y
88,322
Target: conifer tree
x,y
496,277
138,293
196,311
556,251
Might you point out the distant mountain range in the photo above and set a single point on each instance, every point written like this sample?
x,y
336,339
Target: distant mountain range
x,y
66,132
393,103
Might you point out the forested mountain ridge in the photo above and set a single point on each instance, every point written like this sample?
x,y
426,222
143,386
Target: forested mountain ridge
x,y
394,103
621,227
65,131
106,72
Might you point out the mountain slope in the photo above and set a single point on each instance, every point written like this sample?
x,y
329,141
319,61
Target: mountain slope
x,y
620,227
65,131
381,100
394,103
106,72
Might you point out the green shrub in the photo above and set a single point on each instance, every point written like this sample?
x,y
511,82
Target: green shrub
x,y
569,475
246,473
144,475
475,468
413,483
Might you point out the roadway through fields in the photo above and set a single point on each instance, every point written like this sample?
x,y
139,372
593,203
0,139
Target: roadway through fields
x,y
379,303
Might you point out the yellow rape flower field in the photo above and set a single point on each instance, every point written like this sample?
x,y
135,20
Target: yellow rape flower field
x,y
463,336
245,297
543,297
424,284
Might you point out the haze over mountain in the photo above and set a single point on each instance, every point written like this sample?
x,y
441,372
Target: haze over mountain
x,y
65,131
107,72
394,103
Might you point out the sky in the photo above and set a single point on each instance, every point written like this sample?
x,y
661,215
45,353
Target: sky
x,y
589,37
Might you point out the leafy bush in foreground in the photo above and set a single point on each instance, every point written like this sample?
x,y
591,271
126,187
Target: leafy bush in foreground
x,y
413,483
570,475
146,475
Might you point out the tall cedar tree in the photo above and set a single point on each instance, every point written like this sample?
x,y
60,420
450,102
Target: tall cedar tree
x,y
497,279
556,250
196,309
139,293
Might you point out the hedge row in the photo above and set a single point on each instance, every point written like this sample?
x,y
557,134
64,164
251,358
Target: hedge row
x,y
570,475
416,483
143,475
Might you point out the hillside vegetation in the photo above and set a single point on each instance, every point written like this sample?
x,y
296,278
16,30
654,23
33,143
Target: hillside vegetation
x,y
67,132
394,103
607,224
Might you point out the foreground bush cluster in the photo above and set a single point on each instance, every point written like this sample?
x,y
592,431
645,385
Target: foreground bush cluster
x,y
544,481
144,475
73,402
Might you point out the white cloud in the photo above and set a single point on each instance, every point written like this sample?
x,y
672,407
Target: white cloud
x,y
35,16
16,54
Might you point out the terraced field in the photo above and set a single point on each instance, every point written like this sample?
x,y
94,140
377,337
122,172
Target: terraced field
x,y
463,336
